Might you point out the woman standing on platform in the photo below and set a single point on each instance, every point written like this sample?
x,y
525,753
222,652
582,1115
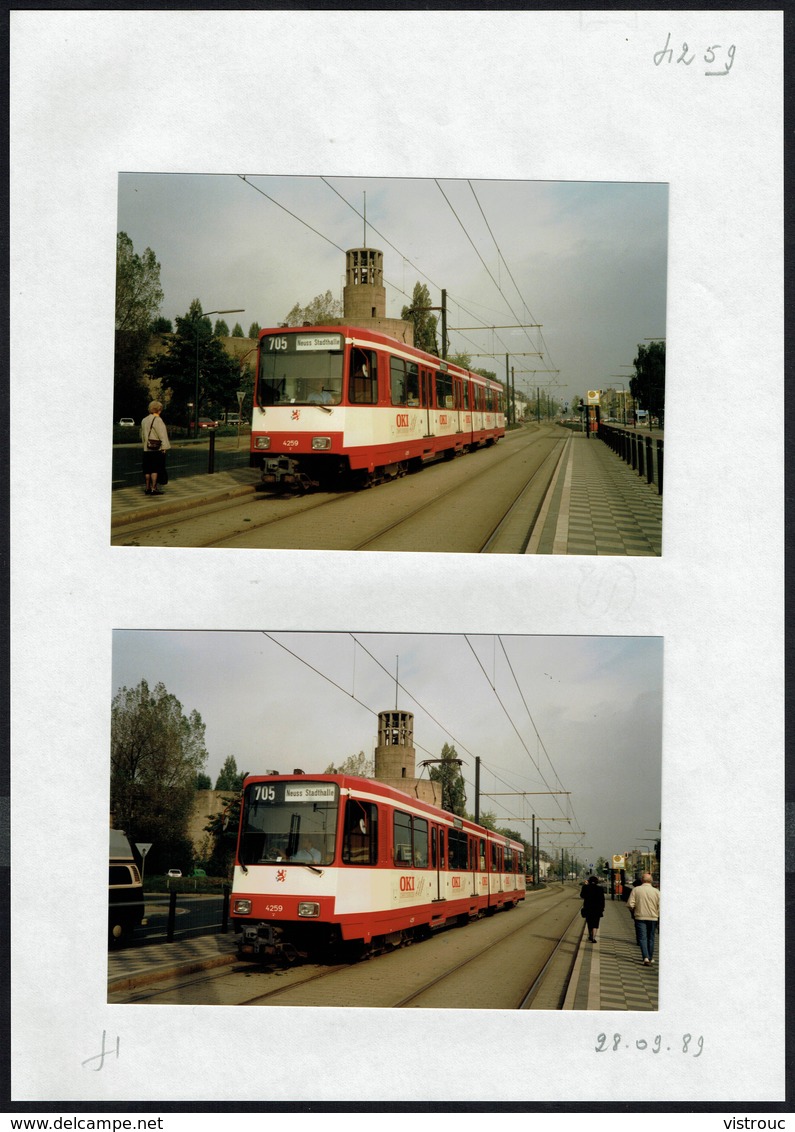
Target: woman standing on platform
x,y
154,436
593,905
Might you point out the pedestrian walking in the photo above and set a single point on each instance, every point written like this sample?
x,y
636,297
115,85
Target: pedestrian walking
x,y
154,437
593,905
644,907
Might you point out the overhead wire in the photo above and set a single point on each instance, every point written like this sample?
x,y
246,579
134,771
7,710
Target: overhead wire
x,y
396,287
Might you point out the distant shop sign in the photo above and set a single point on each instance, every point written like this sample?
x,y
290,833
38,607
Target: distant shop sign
x,y
619,861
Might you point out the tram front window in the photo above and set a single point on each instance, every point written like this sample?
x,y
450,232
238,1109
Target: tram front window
x,y
300,369
289,822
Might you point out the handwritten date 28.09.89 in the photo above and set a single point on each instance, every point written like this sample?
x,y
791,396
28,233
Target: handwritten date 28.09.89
x,y
687,1044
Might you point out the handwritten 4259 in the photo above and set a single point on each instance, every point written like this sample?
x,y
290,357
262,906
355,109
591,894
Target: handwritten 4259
x,y
686,56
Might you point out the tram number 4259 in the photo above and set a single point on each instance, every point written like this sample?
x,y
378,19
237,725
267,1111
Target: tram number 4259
x,y
603,1043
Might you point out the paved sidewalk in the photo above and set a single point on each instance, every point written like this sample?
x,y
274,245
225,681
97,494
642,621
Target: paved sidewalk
x,y
610,975
129,504
130,967
597,504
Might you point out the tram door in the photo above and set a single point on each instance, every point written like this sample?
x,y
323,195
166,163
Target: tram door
x,y
458,401
426,398
437,858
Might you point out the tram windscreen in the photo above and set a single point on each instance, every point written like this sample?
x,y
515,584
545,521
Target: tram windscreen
x,y
291,822
300,369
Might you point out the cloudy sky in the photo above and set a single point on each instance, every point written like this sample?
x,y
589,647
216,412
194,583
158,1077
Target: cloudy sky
x,y
585,262
564,714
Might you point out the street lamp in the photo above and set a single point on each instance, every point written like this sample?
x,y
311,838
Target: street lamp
x,y
205,314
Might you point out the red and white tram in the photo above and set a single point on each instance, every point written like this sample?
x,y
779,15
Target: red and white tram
x,y
339,865
335,400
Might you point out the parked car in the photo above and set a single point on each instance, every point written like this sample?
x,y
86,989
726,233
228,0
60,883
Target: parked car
x,y
175,872
205,422
127,422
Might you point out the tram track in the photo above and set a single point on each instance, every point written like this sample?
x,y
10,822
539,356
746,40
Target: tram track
x,y
457,506
482,965
472,488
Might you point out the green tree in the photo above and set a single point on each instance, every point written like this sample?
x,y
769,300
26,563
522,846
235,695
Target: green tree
x,y
355,764
221,328
254,329
461,359
157,752
315,313
229,777
237,330
204,782
138,299
161,325
648,384
194,344
219,847
448,773
424,320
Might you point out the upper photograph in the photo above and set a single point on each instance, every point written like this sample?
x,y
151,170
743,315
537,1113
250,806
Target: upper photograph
x,y
284,344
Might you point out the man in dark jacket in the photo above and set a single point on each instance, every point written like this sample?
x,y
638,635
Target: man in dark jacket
x,y
593,905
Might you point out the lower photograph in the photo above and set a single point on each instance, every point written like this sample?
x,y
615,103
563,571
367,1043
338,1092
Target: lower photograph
x,y
373,820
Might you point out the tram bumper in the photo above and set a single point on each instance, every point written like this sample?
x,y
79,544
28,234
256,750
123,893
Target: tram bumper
x,y
283,472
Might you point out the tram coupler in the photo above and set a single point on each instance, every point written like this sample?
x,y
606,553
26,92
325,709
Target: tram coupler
x,y
283,474
260,941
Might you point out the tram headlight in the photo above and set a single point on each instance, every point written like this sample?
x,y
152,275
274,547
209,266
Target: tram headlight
x,y
262,442
308,908
242,907
321,443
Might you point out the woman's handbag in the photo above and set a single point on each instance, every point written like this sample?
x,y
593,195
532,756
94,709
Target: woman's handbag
x,y
582,911
151,444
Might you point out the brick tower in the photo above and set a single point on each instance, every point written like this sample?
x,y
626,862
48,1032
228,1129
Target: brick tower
x,y
364,295
395,757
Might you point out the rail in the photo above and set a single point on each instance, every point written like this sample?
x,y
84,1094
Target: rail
x,y
644,454
180,915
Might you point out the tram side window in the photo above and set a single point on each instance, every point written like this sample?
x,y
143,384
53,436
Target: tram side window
x,y
444,390
420,842
401,834
363,377
412,384
495,867
457,842
482,855
397,380
410,840
360,834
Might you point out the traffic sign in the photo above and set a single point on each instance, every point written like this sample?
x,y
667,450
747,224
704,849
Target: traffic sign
x,y
143,847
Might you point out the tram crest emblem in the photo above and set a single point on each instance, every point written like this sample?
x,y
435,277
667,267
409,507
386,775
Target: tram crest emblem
x,y
281,875
295,415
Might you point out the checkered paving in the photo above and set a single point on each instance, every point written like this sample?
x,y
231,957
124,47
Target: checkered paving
x,y
599,505
610,974
137,964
